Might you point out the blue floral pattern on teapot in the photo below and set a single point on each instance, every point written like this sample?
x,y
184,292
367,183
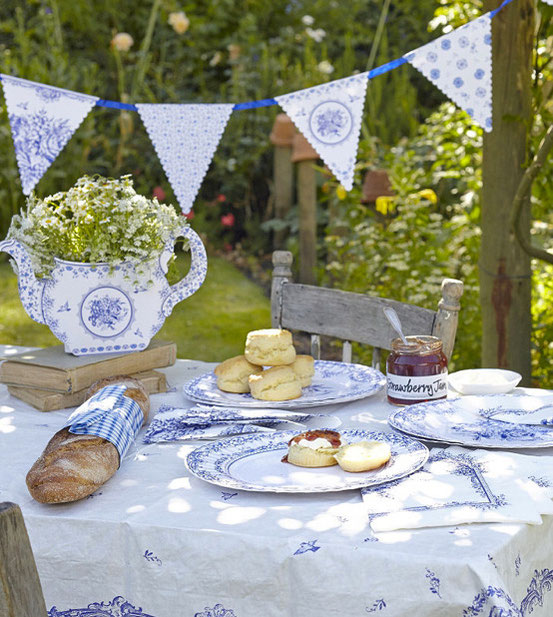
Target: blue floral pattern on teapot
x,y
98,308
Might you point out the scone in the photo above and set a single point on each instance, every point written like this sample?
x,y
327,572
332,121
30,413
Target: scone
x,y
363,455
304,367
271,347
279,383
232,374
314,448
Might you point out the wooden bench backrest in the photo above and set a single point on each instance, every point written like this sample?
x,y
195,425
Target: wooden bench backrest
x,y
356,317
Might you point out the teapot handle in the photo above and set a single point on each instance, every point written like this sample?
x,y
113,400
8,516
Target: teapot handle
x,y
196,275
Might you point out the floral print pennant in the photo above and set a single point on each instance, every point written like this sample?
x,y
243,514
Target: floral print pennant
x,y
42,120
329,116
185,138
460,65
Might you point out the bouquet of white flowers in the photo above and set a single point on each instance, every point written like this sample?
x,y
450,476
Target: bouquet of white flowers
x,y
99,220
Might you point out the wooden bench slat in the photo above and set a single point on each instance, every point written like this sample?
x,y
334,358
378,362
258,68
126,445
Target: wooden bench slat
x,y
348,315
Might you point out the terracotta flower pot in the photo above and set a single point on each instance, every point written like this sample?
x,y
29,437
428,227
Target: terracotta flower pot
x,y
376,184
283,131
303,150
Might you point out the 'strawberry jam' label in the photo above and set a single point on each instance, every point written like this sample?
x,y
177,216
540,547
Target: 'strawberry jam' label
x,y
417,388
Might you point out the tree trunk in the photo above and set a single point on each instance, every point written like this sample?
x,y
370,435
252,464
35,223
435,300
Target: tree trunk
x,y
505,270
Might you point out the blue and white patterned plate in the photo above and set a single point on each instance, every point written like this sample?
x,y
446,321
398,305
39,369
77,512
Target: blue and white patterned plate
x,y
254,463
463,421
333,382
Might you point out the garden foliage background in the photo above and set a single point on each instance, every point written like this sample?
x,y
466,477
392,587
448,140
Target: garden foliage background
x,y
225,51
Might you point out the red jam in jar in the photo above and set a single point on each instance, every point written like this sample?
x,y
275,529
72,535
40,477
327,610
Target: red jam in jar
x,y
416,372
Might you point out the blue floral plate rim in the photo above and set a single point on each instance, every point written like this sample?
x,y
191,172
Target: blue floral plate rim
x,y
213,462
437,421
357,381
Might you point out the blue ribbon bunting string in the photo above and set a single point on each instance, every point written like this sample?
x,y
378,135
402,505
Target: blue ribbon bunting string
x,y
379,70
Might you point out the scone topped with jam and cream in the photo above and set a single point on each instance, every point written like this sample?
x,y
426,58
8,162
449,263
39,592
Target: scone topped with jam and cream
x,y
314,448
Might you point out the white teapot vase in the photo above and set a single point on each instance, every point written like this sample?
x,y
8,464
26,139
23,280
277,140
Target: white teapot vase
x,y
97,308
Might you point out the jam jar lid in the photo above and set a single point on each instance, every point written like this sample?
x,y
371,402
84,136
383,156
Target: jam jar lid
x,y
417,345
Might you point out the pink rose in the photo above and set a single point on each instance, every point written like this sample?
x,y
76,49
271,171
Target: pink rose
x,y
227,220
159,193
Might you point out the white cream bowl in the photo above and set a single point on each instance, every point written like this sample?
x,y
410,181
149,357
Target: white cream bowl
x,y
484,381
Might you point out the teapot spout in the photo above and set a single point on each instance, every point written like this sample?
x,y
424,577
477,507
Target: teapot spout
x,y
30,288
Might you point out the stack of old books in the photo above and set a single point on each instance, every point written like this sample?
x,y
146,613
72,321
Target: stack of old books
x,y
51,379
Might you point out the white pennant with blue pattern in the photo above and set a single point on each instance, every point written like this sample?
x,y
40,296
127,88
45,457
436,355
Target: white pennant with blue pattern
x,y
185,138
108,414
42,119
329,116
460,64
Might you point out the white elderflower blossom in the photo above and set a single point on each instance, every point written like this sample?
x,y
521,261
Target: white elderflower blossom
x,y
217,57
179,22
122,41
325,67
124,226
307,20
317,35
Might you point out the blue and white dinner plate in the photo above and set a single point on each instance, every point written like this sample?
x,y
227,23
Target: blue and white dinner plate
x,y
467,421
333,382
254,463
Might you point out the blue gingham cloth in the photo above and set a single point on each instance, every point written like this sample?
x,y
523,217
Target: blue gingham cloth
x,y
110,415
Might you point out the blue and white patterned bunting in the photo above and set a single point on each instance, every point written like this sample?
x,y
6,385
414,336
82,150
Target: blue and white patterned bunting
x,y
185,138
460,64
42,119
329,116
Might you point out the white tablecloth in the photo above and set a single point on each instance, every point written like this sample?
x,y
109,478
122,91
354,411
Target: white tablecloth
x,y
156,541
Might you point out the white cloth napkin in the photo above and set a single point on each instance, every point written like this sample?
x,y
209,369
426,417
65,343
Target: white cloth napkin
x,y
458,486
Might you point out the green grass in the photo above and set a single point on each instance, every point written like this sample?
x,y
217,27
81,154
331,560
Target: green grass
x,y
211,325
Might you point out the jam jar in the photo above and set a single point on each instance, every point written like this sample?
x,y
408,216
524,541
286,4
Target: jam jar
x,y
416,372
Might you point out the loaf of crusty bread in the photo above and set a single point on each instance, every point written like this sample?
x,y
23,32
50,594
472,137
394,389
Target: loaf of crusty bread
x,y
74,466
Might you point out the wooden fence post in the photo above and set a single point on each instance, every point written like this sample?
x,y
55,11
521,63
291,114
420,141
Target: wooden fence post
x,y
304,155
281,137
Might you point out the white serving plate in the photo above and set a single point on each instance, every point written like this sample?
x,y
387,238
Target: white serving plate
x,y
254,463
469,421
484,381
333,382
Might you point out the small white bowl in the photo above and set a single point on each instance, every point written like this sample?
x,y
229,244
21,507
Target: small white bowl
x,y
484,381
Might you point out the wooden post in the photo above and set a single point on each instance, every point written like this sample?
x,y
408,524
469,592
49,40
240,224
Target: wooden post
x,y
304,154
505,272
282,272
20,590
448,314
281,137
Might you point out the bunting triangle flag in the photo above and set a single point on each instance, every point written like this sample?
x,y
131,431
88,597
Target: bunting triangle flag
x,y
460,64
185,138
329,116
42,120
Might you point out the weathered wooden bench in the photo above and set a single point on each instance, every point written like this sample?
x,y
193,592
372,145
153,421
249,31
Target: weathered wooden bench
x,y
20,590
354,317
